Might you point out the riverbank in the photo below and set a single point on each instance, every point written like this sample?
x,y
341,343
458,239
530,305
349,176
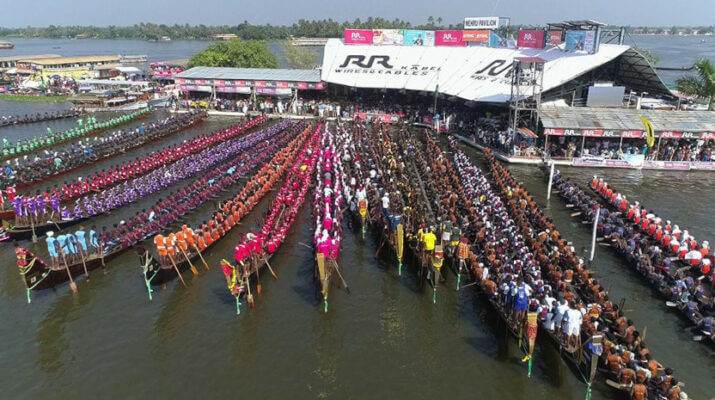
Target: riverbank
x,y
24,98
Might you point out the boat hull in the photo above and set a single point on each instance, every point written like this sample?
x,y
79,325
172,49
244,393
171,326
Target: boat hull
x,y
43,277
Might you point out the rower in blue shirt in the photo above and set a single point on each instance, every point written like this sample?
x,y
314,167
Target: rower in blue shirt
x,y
52,249
82,240
62,241
94,239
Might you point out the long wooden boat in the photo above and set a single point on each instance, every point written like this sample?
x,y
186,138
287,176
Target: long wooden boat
x,y
55,116
91,133
10,213
620,248
40,276
198,120
27,232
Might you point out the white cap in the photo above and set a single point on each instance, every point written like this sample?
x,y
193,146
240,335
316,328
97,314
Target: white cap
x,y
50,234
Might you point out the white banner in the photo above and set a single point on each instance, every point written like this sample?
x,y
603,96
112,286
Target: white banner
x,y
481,23
471,73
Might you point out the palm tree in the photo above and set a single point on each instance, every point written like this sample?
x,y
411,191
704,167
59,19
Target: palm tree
x,y
702,84
439,21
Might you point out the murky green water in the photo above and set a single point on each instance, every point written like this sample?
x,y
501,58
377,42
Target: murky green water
x,y
384,339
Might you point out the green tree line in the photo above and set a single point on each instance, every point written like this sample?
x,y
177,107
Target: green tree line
x,y
324,28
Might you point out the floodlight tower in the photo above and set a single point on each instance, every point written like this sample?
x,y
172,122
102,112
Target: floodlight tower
x,y
527,81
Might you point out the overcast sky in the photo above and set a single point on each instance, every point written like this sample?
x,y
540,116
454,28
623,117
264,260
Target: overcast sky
x,y
231,12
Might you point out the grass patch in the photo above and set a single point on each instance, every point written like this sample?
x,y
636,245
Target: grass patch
x,y
24,98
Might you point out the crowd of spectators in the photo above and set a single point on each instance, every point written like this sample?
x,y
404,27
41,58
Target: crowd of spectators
x,y
667,150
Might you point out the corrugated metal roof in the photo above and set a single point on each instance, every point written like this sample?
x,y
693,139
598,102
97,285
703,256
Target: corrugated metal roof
x,y
31,57
73,60
252,74
626,119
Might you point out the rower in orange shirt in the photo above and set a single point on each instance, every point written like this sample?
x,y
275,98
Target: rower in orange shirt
x,y
160,248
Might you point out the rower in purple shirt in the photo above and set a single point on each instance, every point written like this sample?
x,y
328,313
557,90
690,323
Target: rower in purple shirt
x,y
32,206
55,202
40,201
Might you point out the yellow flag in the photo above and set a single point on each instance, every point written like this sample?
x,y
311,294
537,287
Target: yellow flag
x,y
649,131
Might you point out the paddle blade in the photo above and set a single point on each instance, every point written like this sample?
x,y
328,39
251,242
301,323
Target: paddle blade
x,y
259,288
194,270
73,286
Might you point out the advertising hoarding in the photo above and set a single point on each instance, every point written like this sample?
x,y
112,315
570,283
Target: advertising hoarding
x,y
530,39
581,41
555,37
358,36
478,36
449,38
417,38
481,23
387,36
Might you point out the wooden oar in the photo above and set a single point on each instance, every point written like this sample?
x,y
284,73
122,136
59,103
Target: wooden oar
x,y
191,266
380,247
619,386
259,287
178,273
32,225
201,256
247,276
337,269
265,259
73,285
576,214
81,254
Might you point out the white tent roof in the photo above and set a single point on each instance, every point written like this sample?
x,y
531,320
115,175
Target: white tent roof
x,y
472,73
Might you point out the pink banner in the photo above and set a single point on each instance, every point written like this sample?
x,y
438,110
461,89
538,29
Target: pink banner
x,y
531,38
671,135
555,37
358,36
449,38
592,132
632,134
707,136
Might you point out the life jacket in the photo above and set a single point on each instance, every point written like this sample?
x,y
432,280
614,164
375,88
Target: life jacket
x,y
682,250
639,392
181,241
201,242
463,251
170,242
658,235
160,246
190,239
705,268
666,241
21,256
